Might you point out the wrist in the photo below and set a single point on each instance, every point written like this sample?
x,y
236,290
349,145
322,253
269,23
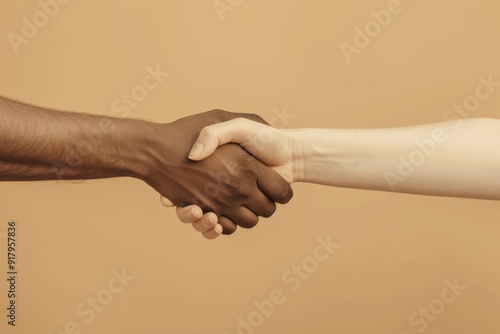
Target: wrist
x,y
296,139
318,152
135,141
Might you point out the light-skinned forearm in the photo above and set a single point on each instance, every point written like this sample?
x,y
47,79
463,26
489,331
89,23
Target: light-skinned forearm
x,y
459,158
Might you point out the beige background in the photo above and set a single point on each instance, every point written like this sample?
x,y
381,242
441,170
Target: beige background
x,y
396,250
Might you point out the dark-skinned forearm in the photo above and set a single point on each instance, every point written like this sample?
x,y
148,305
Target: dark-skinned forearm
x,y
41,144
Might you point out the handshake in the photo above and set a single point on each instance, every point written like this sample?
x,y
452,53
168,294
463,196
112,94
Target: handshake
x,y
229,183
224,170
219,188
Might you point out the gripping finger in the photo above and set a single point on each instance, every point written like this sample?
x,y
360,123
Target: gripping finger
x,y
189,214
273,185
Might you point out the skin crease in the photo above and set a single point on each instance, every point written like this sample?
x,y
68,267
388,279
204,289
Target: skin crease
x,y
457,159
43,144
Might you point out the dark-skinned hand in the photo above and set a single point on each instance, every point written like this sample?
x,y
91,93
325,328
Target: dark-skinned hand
x,y
231,183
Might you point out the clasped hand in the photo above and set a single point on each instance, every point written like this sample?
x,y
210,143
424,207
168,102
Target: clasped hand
x,y
272,147
230,183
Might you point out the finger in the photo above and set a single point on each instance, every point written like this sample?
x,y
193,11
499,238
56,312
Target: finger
x,y
228,226
238,130
244,217
273,185
260,204
189,214
213,233
205,223
166,202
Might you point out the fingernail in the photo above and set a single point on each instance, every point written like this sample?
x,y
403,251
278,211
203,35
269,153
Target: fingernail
x,y
218,229
196,150
197,213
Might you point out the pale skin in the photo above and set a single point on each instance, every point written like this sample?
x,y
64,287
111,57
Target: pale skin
x,y
459,158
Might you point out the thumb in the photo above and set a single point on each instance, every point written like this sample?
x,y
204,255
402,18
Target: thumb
x,y
238,130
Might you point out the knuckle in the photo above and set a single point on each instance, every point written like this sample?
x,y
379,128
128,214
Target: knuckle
x,y
207,131
207,223
239,122
249,173
242,190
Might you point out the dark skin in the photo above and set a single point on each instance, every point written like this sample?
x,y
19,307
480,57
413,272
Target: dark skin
x,y
42,144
